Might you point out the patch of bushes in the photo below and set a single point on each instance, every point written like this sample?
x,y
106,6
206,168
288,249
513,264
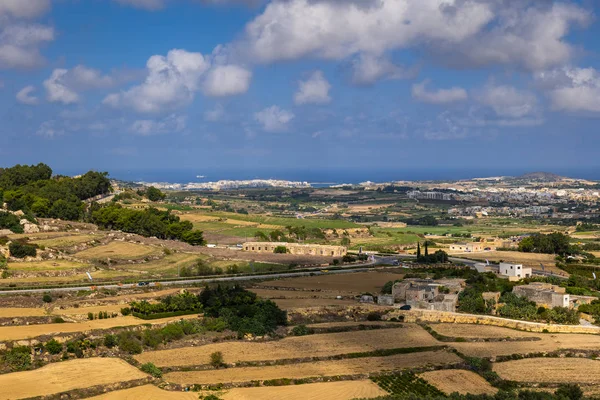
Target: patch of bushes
x,y
18,358
22,250
53,346
301,330
151,369
47,298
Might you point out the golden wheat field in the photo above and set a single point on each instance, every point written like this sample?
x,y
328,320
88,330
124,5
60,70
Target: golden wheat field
x,y
322,345
550,370
65,376
313,369
145,392
346,390
480,331
458,380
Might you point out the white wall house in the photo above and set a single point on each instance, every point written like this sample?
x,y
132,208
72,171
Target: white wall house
x,y
516,271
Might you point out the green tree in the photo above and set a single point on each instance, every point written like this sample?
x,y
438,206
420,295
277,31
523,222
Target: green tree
x,y
154,194
22,250
53,346
216,359
280,250
194,237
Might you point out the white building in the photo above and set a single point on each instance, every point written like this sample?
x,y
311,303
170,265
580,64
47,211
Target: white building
x,y
515,271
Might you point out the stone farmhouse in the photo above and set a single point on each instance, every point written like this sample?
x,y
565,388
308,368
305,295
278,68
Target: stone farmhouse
x,y
296,248
425,293
548,295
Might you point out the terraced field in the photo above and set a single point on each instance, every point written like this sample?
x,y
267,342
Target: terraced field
x,y
458,380
313,369
550,370
118,251
322,345
65,376
145,392
480,331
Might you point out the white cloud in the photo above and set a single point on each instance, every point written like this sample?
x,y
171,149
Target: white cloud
x,y
314,90
171,124
215,114
527,34
24,8
227,80
274,119
367,69
143,4
507,101
440,96
172,82
24,96
20,41
49,129
572,89
57,91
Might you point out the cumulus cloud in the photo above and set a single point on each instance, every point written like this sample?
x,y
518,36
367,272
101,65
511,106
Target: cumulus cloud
x,y
572,89
367,69
171,124
172,81
527,34
227,80
57,91
314,90
440,96
20,40
24,8
24,96
274,119
215,114
508,101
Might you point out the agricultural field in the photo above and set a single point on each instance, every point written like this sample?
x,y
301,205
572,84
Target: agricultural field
x,y
118,251
469,331
32,331
527,259
322,345
347,390
65,376
458,380
351,284
550,370
313,369
68,241
146,392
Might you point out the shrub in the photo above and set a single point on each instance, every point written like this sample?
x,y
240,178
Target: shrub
x,y
22,250
18,358
58,320
110,341
151,369
126,311
280,250
91,316
152,338
130,342
374,316
47,298
301,330
569,391
216,359
53,346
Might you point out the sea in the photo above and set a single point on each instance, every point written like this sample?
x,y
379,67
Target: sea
x,y
328,177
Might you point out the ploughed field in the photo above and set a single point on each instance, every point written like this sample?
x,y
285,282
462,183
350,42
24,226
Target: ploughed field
x,y
66,376
321,345
314,369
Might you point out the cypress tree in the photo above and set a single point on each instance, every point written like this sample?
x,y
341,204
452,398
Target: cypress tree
x,y
418,250
426,249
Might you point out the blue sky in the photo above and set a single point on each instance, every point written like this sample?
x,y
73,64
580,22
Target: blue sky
x,y
395,85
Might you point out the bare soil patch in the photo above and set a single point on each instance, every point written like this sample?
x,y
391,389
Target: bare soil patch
x,y
458,380
532,260
65,376
288,304
322,345
550,370
22,312
346,390
314,369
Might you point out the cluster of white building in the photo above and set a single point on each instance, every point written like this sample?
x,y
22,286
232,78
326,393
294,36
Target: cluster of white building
x,y
227,184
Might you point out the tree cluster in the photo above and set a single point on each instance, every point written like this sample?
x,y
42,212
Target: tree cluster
x,y
148,223
11,222
242,310
181,302
36,192
554,243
